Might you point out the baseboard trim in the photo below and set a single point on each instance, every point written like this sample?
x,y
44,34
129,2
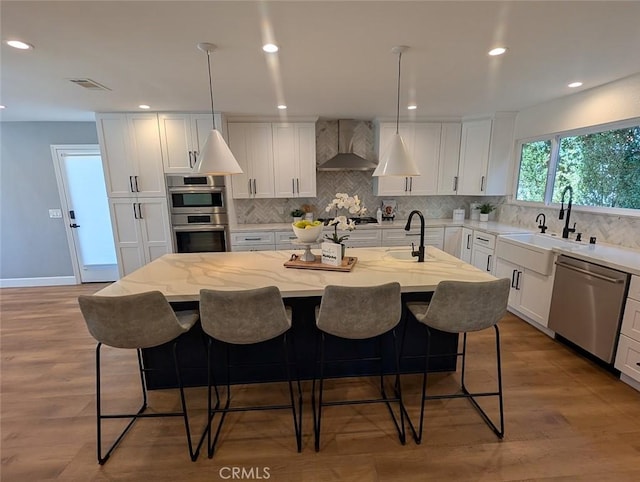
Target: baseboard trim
x,y
535,324
48,281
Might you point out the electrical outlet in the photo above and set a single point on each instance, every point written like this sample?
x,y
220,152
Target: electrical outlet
x,y
55,213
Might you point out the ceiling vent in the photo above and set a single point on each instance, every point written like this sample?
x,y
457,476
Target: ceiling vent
x,y
89,84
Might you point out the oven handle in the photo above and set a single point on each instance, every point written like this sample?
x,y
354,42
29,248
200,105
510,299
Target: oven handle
x,y
198,227
199,189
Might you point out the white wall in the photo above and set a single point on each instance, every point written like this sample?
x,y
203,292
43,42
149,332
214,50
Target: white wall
x,y
612,102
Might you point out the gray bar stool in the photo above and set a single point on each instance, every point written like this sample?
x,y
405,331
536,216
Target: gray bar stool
x,y
246,317
134,322
462,307
358,313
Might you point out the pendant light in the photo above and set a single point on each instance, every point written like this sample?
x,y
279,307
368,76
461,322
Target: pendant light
x,y
215,156
395,159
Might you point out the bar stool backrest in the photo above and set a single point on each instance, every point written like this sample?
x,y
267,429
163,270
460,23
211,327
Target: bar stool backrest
x,y
359,312
131,321
460,306
245,316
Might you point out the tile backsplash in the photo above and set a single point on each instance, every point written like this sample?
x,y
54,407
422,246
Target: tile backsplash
x,y
250,211
619,230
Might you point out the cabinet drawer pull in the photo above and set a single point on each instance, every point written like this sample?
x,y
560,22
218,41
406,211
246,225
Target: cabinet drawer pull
x,y
253,239
482,239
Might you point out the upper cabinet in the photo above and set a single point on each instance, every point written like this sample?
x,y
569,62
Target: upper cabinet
x,y
294,159
448,178
278,160
486,152
182,137
131,155
423,143
474,157
252,146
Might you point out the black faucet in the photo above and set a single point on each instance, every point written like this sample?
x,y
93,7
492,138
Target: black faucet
x,y
542,225
566,230
420,252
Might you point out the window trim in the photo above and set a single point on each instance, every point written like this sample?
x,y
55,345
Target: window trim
x,y
554,138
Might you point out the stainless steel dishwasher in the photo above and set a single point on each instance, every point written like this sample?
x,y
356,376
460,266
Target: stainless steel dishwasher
x,y
586,305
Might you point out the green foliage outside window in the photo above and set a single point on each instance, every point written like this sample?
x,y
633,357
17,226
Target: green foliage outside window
x,y
603,169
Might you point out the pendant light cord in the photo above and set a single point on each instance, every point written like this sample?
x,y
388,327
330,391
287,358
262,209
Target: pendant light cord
x,y
398,103
213,118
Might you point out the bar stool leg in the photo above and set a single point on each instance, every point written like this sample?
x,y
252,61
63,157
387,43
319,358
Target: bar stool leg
x,y
297,418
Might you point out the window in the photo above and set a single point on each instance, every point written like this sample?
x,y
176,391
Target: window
x,y
603,168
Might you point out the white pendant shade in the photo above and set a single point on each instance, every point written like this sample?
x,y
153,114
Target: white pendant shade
x,y
396,160
216,157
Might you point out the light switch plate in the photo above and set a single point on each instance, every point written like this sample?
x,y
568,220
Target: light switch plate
x,y
55,213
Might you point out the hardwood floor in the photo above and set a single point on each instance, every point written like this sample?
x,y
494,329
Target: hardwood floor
x,y
566,418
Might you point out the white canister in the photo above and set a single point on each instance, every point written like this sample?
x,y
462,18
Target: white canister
x,y
459,214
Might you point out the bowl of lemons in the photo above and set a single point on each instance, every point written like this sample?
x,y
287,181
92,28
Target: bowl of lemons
x,y
307,231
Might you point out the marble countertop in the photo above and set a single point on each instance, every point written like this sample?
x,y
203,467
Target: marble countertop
x,y
616,257
181,276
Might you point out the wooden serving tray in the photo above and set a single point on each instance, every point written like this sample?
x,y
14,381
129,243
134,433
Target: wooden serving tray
x,y
348,263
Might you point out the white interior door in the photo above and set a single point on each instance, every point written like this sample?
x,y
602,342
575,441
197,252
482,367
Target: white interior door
x,y
86,212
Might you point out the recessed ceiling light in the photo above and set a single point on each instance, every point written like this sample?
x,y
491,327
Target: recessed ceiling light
x,y
412,107
2,107
497,51
282,107
17,44
144,106
270,48
573,85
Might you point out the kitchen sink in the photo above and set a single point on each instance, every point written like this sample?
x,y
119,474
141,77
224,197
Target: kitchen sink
x,y
532,251
404,254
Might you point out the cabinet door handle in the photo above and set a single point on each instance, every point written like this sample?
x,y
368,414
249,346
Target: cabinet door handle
x,y
190,160
298,184
468,241
518,280
488,263
255,189
455,183
135,213
482,183
250,191
410,184
135,178
406,182
513,278
293,185
131,184
140,211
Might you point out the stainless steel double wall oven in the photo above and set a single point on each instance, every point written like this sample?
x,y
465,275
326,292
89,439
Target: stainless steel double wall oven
x,y
199,217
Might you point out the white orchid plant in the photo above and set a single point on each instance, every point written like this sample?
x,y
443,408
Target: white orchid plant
x,y
353,206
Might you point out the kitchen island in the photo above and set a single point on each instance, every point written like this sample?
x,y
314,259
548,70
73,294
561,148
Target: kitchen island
x,y
180,277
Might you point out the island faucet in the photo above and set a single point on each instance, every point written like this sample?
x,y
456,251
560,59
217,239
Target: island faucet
x,y
566,230
420,252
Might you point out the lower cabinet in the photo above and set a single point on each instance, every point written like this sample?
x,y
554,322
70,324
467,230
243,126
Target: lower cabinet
x,y
452,240
400,237
466,245
628,354
530,293
141,231
365,238
482,251
253,241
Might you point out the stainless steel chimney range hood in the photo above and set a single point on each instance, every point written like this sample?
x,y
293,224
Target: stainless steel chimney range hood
x,y
346,159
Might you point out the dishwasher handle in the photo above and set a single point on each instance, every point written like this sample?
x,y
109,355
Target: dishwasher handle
x,y
595,275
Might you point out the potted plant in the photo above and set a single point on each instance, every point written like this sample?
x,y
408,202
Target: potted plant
x,y
353,206
297,214
485,209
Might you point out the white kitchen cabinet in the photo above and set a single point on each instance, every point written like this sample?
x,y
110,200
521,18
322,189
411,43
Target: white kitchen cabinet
x,y
628,353
294,159
253,241
530,292
131,154
182,137
466,245
452,240
400,237
449,158
285,240
141,231
365,238
423,143
482,252
252,146
474,157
